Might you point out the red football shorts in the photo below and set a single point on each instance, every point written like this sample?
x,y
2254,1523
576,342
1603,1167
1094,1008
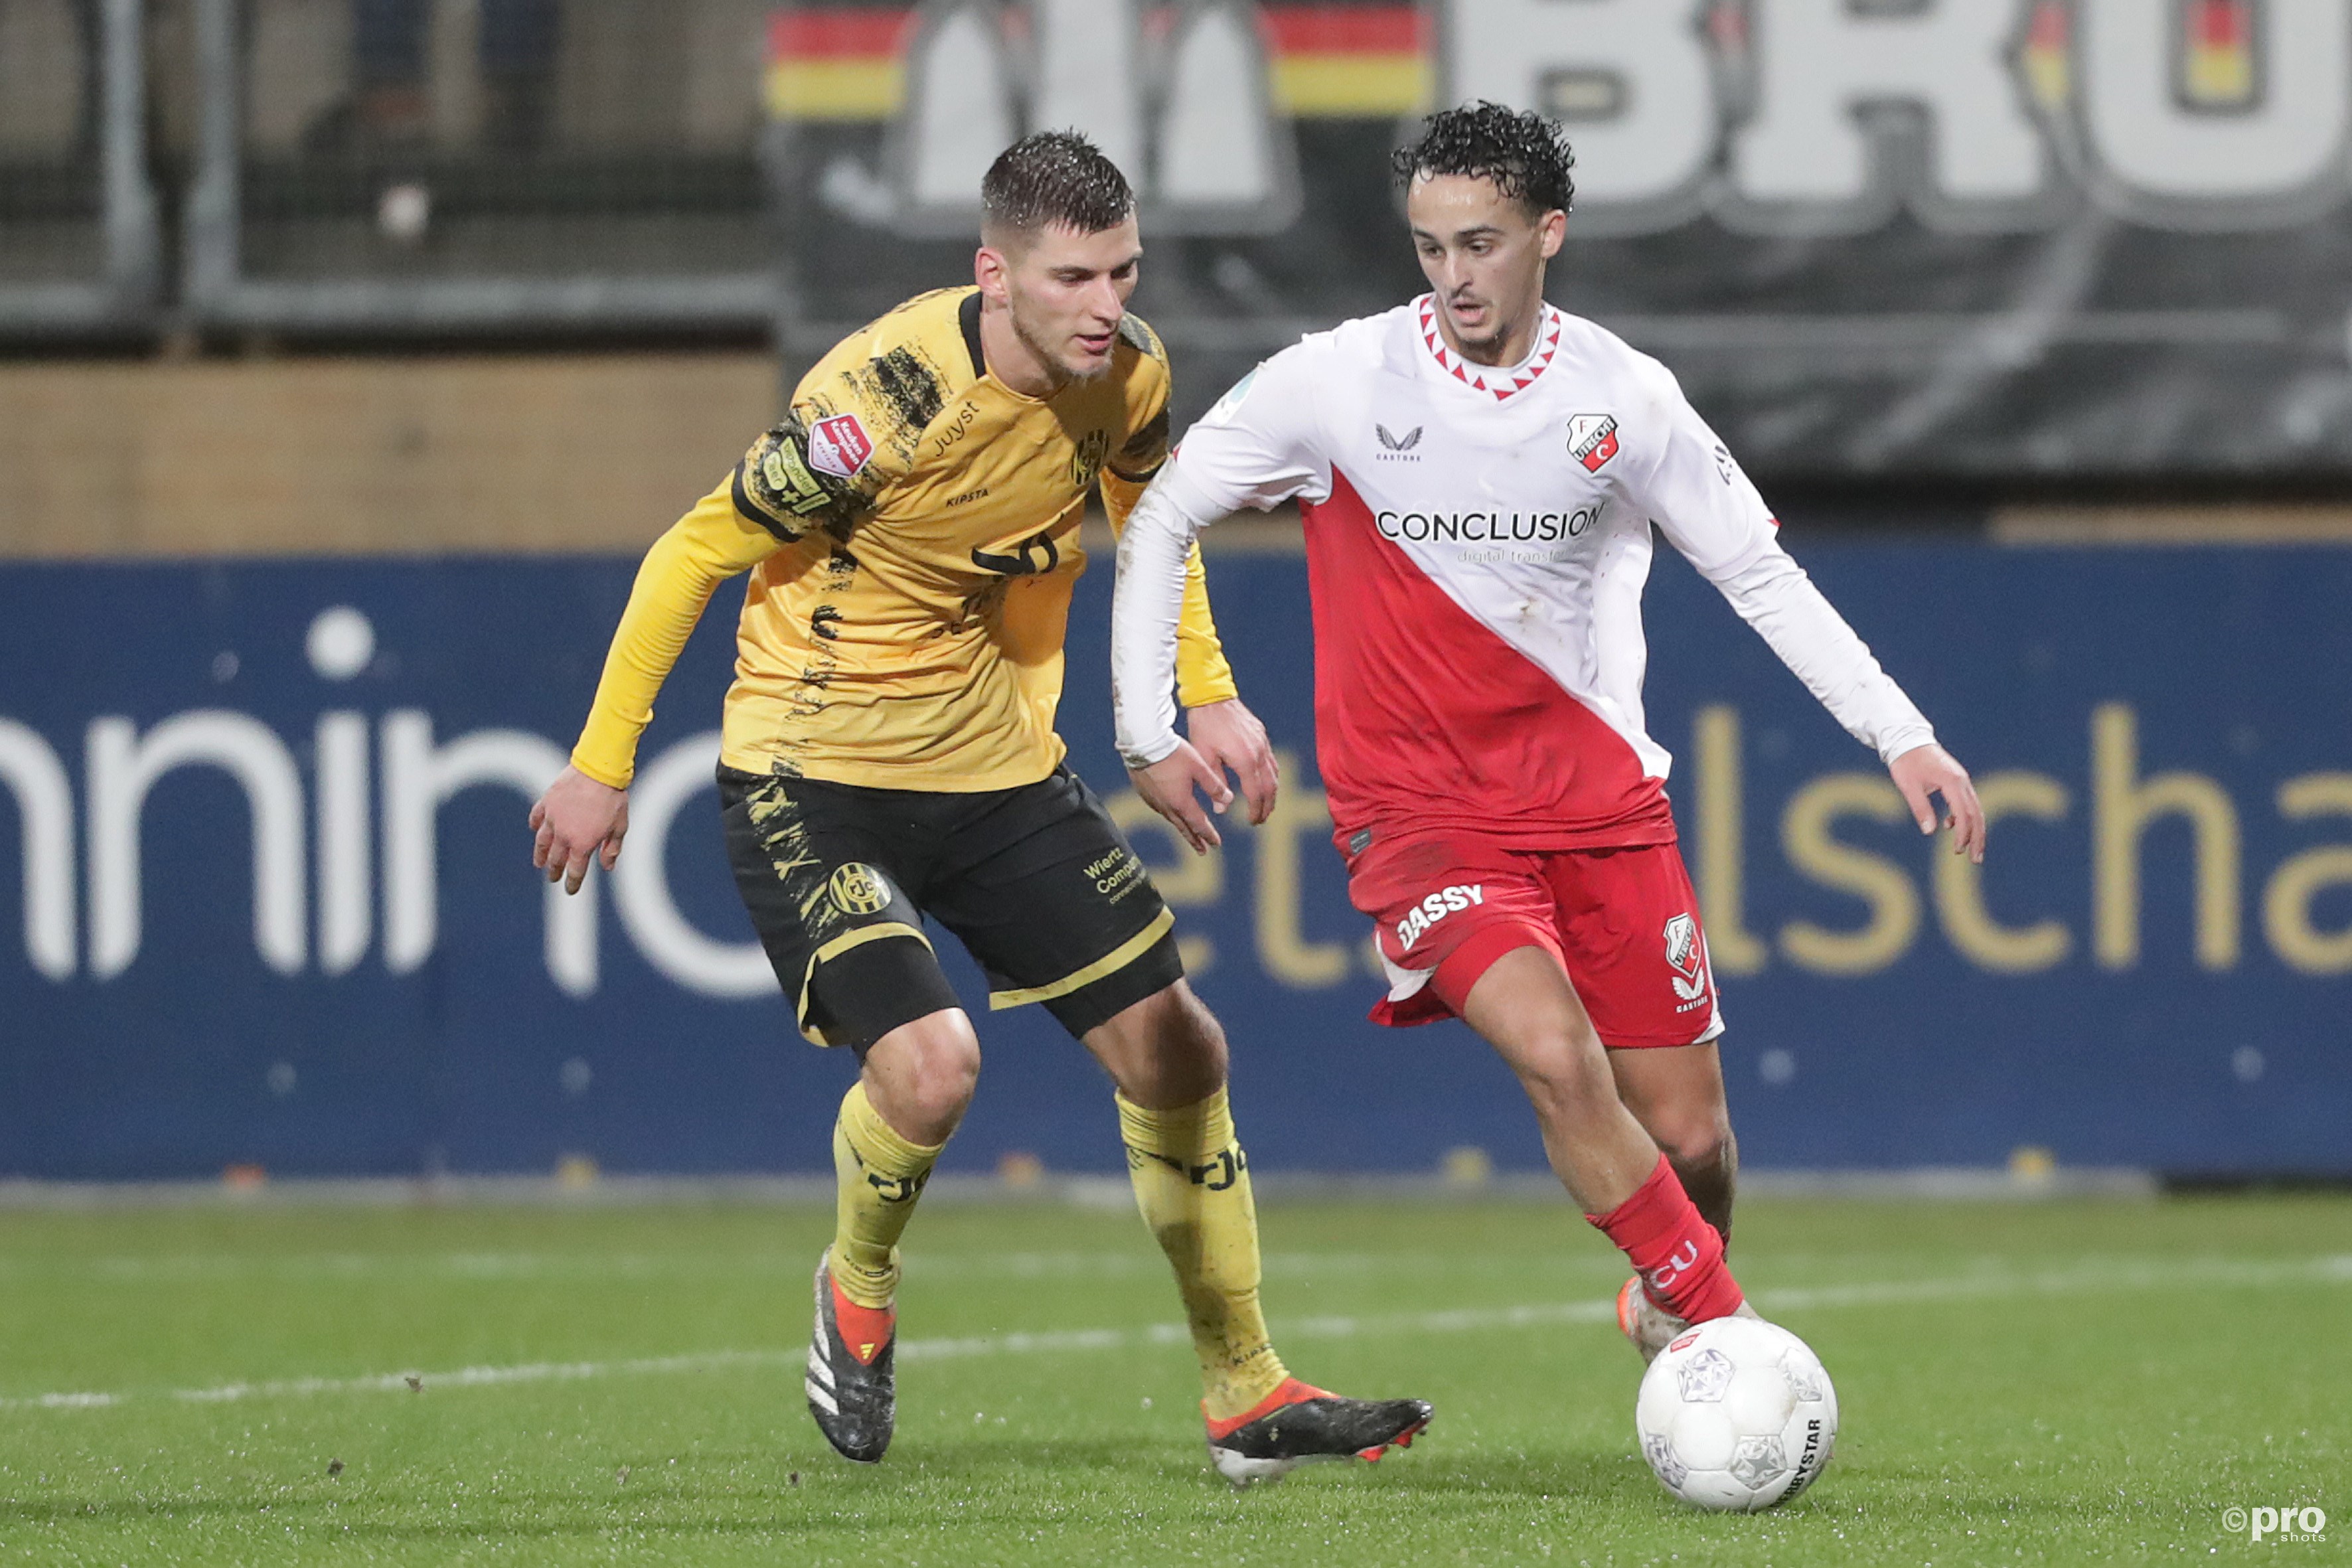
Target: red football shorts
x,y
1623,922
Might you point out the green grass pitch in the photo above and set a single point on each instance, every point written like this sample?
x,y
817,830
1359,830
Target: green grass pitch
x,y
2039,1383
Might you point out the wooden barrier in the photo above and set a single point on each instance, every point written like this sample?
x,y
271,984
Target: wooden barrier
x,y
368,457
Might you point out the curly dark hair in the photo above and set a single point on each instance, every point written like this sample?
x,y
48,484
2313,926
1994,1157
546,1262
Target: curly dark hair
x,y
1527,155
1054,177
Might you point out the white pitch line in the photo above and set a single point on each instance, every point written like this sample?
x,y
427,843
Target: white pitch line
x,y
476,1266
2334,1268
1798,1299
486,1376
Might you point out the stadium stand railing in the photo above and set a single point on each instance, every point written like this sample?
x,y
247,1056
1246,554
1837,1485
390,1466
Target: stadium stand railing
x,y
78,202
420,166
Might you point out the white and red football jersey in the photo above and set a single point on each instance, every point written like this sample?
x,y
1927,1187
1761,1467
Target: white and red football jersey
x,y
1477,540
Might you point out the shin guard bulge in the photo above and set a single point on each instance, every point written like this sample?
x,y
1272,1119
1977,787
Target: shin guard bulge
x,y
1192,1184
877,1176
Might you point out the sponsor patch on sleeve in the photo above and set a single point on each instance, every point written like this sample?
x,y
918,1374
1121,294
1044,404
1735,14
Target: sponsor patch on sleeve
x,y
781,485
839,447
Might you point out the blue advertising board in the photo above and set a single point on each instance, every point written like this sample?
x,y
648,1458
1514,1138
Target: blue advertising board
x,y
277,906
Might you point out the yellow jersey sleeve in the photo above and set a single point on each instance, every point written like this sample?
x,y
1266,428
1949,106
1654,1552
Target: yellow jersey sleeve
x,y
810,471
820,469
710,544
853,429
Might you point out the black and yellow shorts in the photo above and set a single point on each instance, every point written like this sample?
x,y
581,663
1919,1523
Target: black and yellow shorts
x,y
1038,882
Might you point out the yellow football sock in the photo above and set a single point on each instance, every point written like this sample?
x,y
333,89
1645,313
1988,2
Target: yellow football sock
x,y
1193,1187
877,1176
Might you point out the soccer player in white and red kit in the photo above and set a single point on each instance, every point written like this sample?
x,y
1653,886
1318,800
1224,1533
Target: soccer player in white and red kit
x,y
1480,476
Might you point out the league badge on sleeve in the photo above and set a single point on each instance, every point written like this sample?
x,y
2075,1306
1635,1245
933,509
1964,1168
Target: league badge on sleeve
x,y
1592,440
1226,406
839,447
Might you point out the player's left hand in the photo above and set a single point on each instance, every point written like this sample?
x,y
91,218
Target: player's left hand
x,y
1229,739
1931,770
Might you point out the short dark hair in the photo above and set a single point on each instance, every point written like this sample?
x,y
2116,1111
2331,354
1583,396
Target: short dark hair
x,y
1054,178
1527,155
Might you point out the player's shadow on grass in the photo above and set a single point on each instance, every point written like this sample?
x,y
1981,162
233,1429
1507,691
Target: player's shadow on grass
x,y
1018,1463
1535,1476
1428,1470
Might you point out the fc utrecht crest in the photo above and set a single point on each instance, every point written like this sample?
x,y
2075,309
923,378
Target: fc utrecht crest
x,y
1683,953
839,447
1592,440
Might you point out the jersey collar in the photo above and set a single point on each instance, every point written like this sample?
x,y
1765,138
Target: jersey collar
x,y
1500,381
968,319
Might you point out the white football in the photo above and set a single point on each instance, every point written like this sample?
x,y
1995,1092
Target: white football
x,y
1736,1413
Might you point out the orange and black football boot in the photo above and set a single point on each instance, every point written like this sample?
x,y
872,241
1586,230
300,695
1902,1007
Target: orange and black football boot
x,y
852,1384
1650,1326
1299,1424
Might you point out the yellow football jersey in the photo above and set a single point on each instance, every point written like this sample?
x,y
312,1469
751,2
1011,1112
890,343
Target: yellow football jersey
x,y
912,533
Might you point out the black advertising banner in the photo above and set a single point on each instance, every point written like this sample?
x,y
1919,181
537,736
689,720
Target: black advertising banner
x,y
1914,238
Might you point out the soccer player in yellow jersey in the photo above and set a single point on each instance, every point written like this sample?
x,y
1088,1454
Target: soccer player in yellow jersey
x,y
911,529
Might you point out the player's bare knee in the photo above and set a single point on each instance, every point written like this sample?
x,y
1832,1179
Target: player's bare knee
x,y
1164,1051
921,1075
1700,1141
1193,1036
950,1068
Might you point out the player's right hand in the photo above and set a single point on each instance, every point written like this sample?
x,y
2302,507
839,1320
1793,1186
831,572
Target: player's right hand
x,y
576,822
1231,740
1167,787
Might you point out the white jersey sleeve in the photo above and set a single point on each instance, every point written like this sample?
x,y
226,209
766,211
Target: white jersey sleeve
x,y
1145,606
1259,446
1253,449
1707,508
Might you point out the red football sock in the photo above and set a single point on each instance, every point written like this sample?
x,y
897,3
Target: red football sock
x,y
1678,1255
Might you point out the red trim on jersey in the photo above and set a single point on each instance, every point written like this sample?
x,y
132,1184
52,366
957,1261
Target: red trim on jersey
x,y
1486,377
1426,718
